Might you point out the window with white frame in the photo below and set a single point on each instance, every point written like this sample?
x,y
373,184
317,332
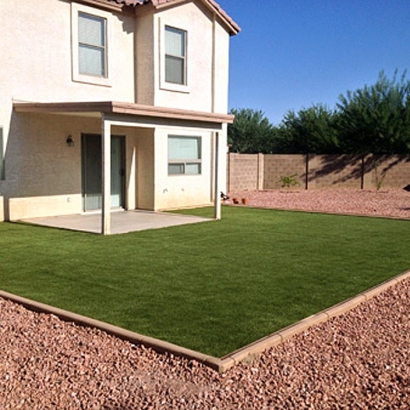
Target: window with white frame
x,y
184,155
1,155
92,45
91,30
175,56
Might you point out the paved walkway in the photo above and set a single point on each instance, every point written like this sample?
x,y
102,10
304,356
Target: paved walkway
x,y
121,221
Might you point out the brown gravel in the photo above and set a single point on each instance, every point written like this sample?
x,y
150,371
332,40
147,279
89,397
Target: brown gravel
x,y
387,203
359,360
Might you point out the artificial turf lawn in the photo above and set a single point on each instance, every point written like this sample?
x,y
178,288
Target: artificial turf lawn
x,y
214,286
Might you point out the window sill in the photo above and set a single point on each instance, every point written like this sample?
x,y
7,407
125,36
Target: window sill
x,y
184,175
175,87
89,79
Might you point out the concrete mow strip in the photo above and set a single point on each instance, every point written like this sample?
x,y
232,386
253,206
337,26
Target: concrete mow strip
x,y
246,353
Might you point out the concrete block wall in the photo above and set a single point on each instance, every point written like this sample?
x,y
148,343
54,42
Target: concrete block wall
x,y
391,171
245,172
317,171
278,166
335,171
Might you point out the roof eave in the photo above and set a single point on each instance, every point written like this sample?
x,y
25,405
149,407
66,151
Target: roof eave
x,y
130,5
233,28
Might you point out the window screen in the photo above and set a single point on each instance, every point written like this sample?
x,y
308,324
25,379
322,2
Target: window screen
x,y
175,55
92,45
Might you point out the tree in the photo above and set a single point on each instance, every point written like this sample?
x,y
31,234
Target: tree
x,y
376,119
250,133
311,130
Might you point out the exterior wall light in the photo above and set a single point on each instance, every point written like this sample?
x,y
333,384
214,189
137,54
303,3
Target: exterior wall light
x,y
70,141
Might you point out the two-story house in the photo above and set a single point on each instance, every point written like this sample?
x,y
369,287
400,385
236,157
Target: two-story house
x,y
112,104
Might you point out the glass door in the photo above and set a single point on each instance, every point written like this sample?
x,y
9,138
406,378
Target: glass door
x,y
92,173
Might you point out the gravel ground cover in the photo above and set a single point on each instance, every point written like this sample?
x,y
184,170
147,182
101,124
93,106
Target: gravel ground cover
x,y
387,203
359,360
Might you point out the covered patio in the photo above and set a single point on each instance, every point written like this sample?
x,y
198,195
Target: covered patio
x,y
113,114
121,221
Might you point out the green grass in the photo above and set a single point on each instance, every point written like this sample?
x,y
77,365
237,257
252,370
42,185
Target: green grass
x,y
213,286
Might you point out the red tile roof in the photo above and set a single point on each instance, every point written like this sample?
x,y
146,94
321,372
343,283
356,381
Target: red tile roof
x,y
212,5
225,15
130,2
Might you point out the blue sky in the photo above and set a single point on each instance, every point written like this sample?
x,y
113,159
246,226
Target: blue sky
x,y
292,54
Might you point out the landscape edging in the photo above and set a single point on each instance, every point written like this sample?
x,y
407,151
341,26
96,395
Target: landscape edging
x,y
252,350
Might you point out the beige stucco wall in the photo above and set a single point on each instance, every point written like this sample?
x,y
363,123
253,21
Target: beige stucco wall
x,y
178,191
206,90
39,68
44,177
145,170
39,61
43,174
221,76
155,189
145,59
207,59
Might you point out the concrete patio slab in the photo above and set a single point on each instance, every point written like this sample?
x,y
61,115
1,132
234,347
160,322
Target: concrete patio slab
x,y
121,221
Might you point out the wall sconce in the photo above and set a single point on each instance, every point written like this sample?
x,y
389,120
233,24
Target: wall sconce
x,y
70,141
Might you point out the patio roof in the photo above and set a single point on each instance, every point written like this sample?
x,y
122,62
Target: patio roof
x,y
115,107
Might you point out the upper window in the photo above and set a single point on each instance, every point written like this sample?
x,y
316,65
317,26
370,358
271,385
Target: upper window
x,y
175,56
184,155
90,34
92,49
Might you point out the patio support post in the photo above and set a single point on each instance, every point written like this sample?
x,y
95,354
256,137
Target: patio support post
x,y
217,196
106,176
